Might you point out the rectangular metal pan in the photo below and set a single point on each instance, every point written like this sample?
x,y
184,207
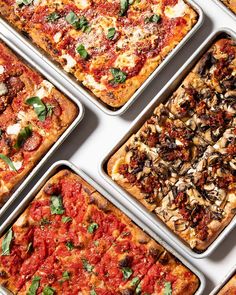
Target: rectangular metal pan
x,y
157,225
225,280
44,159
225,8
83,90
67,165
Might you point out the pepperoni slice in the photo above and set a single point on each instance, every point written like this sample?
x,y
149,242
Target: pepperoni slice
x,y
33,142
55,104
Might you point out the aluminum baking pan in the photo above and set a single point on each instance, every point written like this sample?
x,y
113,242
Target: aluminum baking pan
x,y
225,8
157,225
45,158
223,283
133,215
83,90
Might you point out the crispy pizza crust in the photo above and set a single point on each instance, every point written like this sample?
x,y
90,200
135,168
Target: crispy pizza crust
x,y
231,4
229,288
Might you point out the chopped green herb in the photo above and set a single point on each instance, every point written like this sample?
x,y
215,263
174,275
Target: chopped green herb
x,y
88,267
111,33
47,290
153,19
127,272
92,292
96,243
92,227
168,289
6,243
82,51
42,110
135,281
79,23
57,205
66,219
138,289
24,134
52,17
23,2
34,286
8,162
44,221
118,76
124,5
70,246
66,275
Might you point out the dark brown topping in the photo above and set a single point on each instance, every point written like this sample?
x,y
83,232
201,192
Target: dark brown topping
x,y
52,189
125,262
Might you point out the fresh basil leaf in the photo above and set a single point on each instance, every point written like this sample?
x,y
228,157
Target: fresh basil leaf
x,y
124,5
127,272
111,33
8,162
24,134
57,205
82,51
34,286
6,243
52,17
47,290
70,246
92,292
92,227
155,18
66,219
88,267
79,23
118,76
23,2
168,289
66,275
135,281
138,290
42,110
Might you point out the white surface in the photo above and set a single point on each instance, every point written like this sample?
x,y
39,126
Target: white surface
x,y
98,133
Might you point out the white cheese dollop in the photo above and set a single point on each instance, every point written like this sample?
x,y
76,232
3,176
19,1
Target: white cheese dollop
x,y
71,62
14,129
178,10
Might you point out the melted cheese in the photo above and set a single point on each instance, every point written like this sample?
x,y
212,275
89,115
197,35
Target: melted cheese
x,y
57,37
17,165
70,62
13,129
1,69
90,82
178,10
82,4
3,88
44,90
127,59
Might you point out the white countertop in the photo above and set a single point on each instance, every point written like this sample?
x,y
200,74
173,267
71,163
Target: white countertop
x,y
98,133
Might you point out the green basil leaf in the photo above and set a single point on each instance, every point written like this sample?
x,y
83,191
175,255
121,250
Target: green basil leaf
x,y
47,290
39,107
34,286
135,281
82,51
88,267
8,162
79,23
66,275
138,290
66,219
24,134
6,243
71,17
124,5
168,289
118,76
111,33
155,18
127,272
52,17
70,246
92,292
92,227
23,2
57,205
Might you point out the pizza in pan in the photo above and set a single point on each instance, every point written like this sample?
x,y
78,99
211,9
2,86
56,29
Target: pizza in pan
x,y
71,240
229,288
231,4
111,47
181,163
33,115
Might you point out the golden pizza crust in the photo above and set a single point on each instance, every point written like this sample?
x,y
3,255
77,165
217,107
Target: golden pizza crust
x,y
229,288
231,4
